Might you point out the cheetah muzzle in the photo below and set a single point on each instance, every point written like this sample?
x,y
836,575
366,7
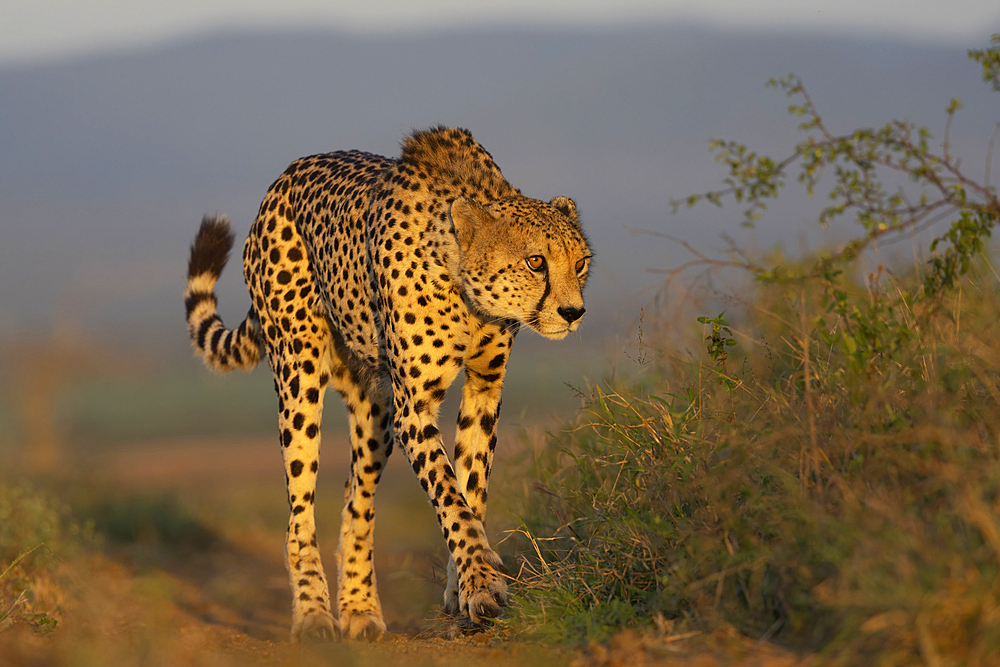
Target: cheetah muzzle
x,y
384,278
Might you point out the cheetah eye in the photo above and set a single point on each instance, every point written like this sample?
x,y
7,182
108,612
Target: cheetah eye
x,y
536,262
581,265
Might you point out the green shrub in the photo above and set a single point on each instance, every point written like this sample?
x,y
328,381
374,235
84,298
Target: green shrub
x,y
859,510
832,480
36,531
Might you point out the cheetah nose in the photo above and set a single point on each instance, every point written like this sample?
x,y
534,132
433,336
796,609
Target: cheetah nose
x,y
571,314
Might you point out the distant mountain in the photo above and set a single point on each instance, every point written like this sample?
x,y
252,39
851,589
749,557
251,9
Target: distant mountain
x,y
107,163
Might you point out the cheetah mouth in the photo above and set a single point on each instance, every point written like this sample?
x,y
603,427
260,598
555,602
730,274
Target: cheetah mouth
x,y
554,333
553,329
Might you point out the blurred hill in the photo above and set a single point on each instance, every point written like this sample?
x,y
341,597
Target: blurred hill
x,y
108,163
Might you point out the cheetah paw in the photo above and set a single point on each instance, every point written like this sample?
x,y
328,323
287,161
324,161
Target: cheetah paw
x,y
362,625
315,628
486,581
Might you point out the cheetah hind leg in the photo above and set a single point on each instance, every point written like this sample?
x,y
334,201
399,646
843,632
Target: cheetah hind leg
x,y
359,618
357,592
451,590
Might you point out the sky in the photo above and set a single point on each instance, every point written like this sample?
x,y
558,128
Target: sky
x,y
47,30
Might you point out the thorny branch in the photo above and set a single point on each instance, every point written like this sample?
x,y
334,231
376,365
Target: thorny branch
x,y
855,159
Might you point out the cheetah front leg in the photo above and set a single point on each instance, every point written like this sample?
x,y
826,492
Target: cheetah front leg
x,y
482,584
475,441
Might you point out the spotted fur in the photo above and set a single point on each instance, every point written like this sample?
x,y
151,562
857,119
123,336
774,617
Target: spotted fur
x,y
385,278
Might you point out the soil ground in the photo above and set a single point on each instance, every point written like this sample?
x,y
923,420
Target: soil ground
x,y
202,580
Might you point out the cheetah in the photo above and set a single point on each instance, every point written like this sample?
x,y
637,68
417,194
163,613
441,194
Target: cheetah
x,y
384,278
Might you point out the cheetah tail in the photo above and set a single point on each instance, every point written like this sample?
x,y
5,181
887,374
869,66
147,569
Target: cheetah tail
x,y
220,348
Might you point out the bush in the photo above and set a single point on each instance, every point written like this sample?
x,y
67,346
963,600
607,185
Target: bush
x,y
35,532
833,481
858,505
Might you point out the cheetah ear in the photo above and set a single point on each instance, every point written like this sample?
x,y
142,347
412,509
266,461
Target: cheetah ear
x,y
564,205
468,218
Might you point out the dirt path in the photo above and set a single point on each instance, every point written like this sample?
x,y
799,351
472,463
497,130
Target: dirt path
x,y
199,579
117,616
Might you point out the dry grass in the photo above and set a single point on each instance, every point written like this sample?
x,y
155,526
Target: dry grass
x,y
832,483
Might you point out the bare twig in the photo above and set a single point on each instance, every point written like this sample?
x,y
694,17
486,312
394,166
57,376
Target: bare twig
x,y
989,155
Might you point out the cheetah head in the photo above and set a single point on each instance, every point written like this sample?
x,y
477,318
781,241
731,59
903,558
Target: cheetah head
x,y
523,259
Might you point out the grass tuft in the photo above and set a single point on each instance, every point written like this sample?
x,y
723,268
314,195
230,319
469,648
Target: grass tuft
x,y
832,484
36,531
